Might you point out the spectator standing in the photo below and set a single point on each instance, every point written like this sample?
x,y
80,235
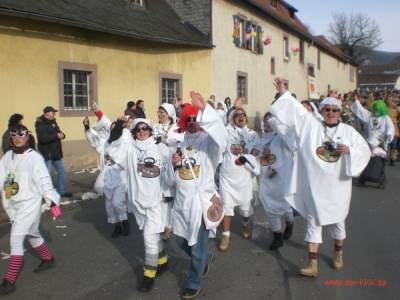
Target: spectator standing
x,y
49,138
332,153
205,139
139,112
24,183
130,109
15,119
178,108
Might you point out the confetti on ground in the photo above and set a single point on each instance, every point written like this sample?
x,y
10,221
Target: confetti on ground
x,y
61,226
5,255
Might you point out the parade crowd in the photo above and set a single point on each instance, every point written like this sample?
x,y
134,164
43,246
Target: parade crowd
x,y
190,172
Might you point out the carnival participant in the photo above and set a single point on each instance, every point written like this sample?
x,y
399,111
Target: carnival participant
x,y
380,127
310,106
114,180
222,111
24,182
276,163
394,115
204,141
236,181
330,153
165,131
146,165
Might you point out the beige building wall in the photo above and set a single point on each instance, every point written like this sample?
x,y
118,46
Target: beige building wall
x,y
227,60
128,69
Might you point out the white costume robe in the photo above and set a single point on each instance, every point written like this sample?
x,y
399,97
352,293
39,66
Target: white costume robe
x,y
170,138
379,128
115,179
207,151
281,159
146,165
236,183
34,181
323,178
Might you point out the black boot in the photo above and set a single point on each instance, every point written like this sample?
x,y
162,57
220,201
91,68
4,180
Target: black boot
x,y
117,231
125,228
146,285
288,231
278,241
391,162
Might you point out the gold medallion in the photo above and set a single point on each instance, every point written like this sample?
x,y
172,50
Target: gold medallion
x,y
189,148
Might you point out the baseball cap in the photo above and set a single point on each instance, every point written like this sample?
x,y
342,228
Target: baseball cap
x,y
48,109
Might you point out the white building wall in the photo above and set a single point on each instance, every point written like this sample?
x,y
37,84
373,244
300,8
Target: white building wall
x,y
227,60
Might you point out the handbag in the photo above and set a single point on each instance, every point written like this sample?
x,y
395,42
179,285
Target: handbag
x,y
211,204
100,181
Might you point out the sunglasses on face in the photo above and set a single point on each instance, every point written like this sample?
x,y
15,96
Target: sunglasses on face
x,y
240,115
335,110
144,128
21,135
188,119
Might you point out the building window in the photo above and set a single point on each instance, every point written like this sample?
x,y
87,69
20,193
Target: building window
x,y
77,84
351,74
310,70
242,85
272,3
170,87
302,49
319,60
252,42
273,65
285,48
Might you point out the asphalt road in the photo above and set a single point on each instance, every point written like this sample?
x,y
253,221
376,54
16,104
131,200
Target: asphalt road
x,y
92,265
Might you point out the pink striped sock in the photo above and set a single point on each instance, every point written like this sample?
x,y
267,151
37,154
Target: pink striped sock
x,y
44,252
13,267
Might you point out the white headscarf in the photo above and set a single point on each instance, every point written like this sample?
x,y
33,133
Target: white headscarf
x,y
140,120
170,109
330,101
223,106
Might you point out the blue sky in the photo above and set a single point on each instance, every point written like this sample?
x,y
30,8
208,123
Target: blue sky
x,y
317,14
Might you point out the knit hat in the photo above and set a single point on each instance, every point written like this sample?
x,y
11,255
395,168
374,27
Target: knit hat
x,y
330,101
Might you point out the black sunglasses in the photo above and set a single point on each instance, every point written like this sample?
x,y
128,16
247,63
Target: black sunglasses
x,y
240,115
188,119
335,110
144,128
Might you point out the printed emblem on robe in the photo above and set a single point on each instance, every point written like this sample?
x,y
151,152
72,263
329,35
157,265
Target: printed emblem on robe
x,y
11,188
268,160
237,149
184,171
214,212
328,152
148,169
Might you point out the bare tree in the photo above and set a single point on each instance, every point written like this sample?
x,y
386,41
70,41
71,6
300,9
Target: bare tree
x,y
356,35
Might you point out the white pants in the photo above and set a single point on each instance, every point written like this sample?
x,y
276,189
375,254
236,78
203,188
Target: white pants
x,y
153,245
245,210
275,220
314,233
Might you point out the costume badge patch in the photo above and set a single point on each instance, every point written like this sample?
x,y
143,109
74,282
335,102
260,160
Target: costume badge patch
x,y
328,152
148,169
184,171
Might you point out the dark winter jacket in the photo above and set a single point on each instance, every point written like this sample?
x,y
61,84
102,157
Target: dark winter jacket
x,y
49,145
